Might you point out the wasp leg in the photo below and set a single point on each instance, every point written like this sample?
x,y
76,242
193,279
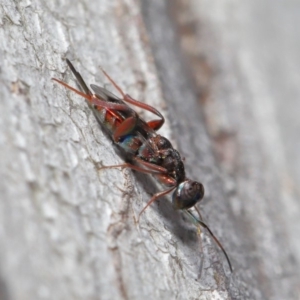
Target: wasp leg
x,y
154,124
125,128
151,166
130,166
94,100
154,198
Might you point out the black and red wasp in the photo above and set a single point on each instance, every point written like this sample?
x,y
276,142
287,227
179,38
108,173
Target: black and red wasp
x,y
146,151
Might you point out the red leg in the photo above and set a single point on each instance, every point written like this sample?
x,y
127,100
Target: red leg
x,y
166,179
125,128
151,166
131,166
155,124
94,100
109,105
86,96
154,198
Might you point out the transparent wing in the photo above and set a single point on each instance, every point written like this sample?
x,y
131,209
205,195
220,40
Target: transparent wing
x,y
105,94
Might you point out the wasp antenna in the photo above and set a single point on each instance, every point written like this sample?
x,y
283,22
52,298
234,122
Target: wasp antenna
x,y
201,223
199,213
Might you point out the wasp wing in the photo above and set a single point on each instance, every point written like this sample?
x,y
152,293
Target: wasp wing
x,y
142,129
105,94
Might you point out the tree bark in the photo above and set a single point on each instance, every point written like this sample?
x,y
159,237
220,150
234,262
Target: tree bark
x,y
68,230
238,60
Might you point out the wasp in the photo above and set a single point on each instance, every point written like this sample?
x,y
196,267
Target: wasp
x,y
145,150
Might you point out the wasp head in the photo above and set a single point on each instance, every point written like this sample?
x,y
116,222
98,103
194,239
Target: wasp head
x,y
187,194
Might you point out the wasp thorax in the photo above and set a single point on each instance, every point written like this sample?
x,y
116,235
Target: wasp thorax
x,y
187,194
162,143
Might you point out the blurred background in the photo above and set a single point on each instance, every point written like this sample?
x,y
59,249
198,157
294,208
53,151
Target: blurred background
x,y
226,76
243,64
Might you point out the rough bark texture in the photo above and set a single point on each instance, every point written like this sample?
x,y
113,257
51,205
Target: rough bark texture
x,y
224,75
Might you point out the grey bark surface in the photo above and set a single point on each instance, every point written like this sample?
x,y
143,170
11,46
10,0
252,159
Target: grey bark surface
x,y
241,62
67,230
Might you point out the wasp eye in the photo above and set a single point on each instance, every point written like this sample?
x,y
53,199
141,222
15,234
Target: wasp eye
x,y
187,194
